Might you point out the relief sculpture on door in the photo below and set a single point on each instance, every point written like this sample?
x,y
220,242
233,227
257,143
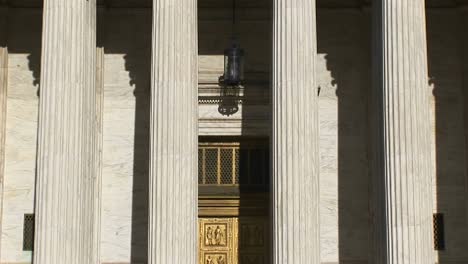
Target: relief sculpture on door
x,y
233,240
217,241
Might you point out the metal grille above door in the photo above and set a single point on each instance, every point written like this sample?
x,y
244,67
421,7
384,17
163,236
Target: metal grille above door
x,y
224,164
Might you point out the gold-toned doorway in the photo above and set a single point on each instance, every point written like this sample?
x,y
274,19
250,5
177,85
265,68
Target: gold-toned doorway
x,y
229,234
234,225
232,240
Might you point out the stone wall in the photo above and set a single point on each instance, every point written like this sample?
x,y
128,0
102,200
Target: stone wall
x,y
24,42
344,77
446,50
126,36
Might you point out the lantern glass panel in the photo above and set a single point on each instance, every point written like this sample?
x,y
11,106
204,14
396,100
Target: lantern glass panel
x,y
233,66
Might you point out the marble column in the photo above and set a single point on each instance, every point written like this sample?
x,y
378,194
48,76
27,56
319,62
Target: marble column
x,y
403,171
3,101
98,151
100,22
65,186
173,134
295,134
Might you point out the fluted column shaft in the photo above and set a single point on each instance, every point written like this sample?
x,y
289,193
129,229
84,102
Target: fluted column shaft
x,y
402,158
295,134
97,185
65,188
173,140
3,102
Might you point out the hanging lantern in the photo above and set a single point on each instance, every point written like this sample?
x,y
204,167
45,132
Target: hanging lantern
x,y
233,58
233,66
229,104
233,76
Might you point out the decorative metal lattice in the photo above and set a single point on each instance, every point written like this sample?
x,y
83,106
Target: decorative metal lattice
x,y
28,232
211,161
439,236
236,165
227,166
200,168
232,164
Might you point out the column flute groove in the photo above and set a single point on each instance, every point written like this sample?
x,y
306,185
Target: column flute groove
x,y
295,134
402,170
98,152
66,168
3,102
173,190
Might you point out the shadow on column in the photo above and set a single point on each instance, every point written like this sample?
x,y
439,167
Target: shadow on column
x,y
134,40
140,212
446,50
139,66
255,230
24,36
346,51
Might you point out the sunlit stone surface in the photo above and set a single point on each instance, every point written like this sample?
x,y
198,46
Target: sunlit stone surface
x,y
343,72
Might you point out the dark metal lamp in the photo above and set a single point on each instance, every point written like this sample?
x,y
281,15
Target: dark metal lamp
x,y
233,58
233,65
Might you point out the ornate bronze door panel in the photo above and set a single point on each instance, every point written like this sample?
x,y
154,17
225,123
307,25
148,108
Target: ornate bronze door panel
x,y
217,241
253,240
233,240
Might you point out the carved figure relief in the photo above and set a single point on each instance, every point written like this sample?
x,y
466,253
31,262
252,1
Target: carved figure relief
x,y
217,241
209,237
221,260
216,259
232,240
215,235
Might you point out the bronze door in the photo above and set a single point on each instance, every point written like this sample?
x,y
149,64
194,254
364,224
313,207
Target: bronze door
x,y
233,240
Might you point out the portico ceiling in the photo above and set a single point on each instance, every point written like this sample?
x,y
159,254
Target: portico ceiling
x,y
227,3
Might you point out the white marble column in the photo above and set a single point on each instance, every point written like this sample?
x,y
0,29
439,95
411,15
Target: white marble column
x,y
3,101
295,134
98,151
403,170
173,141
65,187
100,26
